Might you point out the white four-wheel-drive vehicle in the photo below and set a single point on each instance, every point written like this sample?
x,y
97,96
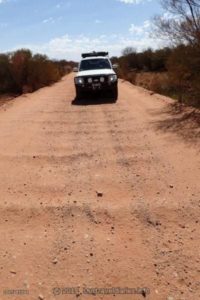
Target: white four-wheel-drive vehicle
x,y
96,73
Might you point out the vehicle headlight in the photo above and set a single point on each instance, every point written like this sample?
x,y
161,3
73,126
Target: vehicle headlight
x,y
89,80
102,79
79,80
112,78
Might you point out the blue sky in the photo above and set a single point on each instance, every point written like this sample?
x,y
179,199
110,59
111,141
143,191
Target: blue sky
x,y
65,28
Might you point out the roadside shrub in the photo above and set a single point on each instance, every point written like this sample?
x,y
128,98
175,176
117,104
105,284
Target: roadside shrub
x,y
131,77
184,71
19,62
148,60
174,72
41,72
6,79
21,71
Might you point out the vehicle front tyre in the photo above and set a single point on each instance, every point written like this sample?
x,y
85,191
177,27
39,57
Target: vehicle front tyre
x,y
79,94
115,93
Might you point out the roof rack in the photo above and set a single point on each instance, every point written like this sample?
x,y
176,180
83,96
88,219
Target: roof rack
x,y
92,54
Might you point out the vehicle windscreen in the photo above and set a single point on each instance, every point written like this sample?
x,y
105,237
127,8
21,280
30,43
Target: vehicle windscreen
x,y
95,64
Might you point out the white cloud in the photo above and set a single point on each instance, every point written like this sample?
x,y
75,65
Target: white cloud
x,y
49,20
168,16
71,47
52,20
133,1
6,1
98,21
140,30
130,1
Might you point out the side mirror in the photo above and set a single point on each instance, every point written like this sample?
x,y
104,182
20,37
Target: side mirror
x,y
115,66
75,69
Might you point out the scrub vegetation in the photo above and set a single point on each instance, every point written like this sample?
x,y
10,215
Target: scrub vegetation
x,y
22,72
174,71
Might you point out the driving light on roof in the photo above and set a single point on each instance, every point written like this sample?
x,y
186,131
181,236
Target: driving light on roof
x,y
92,54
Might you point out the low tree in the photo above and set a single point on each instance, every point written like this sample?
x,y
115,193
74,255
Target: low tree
x,y
128,50
6,79
19,62
181,25
21,71
184,73
181,22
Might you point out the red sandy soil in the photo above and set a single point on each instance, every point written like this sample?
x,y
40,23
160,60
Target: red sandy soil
x,y
99,195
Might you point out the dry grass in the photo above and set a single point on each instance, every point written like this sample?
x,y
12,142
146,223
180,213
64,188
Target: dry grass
x,y
158,82
152,81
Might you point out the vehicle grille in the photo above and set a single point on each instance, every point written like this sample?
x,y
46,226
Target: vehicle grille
x,y
95,79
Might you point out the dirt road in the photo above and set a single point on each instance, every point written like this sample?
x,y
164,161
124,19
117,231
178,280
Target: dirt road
x,y
98,196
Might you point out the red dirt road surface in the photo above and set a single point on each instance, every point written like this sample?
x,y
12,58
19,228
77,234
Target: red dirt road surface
x,y
98,195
